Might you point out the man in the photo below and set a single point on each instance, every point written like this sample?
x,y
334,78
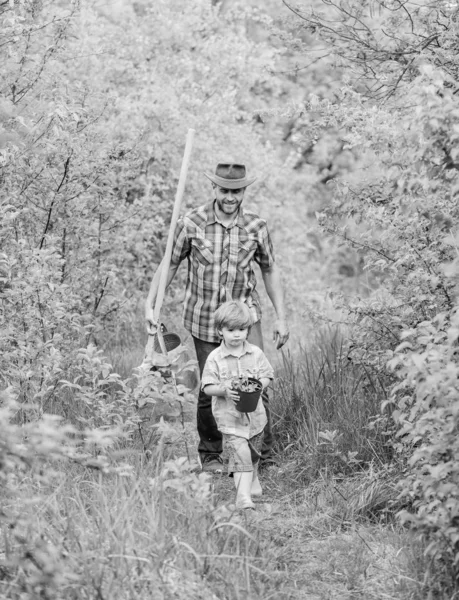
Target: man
x,y
220,241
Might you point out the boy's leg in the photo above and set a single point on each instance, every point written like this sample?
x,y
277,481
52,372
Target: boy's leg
x,y
241,467
255,445
256,338
256,489
243,483
210,439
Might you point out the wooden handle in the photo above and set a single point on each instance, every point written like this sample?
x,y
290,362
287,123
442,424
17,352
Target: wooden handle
x,y
175,215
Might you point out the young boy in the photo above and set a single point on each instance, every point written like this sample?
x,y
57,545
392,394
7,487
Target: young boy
x,y
242,432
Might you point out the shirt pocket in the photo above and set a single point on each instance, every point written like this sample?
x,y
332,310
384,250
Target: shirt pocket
x,y
202,251
247,249
225,374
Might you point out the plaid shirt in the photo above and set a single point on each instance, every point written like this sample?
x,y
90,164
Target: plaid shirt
x,y
220,263
221,366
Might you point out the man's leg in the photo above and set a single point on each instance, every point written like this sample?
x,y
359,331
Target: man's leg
x,y
210,439
256,338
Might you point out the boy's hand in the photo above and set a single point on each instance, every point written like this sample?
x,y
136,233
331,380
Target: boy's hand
x,y
231,394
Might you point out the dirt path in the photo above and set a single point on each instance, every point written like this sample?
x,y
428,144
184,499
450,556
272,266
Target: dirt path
x,y
306,543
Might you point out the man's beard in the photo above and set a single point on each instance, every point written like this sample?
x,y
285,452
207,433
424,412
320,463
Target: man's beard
x,y
231,208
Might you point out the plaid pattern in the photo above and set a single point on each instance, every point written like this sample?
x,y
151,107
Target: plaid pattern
x,y
219,264
221,366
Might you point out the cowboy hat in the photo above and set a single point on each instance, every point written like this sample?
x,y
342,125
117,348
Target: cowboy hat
x,y
230,176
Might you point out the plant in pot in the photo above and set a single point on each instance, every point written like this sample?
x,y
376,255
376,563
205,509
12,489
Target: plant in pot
x,y
249,390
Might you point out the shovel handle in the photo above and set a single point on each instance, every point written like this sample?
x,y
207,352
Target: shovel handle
x,y
175,215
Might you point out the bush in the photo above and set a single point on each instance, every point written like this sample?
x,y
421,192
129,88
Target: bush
x,y
427,398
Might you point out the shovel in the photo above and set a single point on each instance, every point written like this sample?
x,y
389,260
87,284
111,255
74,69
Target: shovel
x,y
160,343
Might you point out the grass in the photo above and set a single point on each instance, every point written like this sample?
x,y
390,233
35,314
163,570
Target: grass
x,y
327,410
167,531
99,536
324,528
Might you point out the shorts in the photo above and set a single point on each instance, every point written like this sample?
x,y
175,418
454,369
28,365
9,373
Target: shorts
x,y
242,454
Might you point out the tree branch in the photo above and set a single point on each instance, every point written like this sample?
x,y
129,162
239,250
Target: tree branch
x,y
101,295
50,210
360,245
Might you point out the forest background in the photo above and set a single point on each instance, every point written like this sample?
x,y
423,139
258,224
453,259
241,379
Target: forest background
x,y
347,113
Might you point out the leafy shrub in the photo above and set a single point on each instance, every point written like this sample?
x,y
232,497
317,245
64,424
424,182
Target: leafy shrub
x,y
427,400
33,456
148,531
398,212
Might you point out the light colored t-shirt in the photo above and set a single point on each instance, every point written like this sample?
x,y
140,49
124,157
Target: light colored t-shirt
x,y
222,366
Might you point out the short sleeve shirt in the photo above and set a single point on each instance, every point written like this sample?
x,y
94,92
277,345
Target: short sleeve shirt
x,y
221,366
220,264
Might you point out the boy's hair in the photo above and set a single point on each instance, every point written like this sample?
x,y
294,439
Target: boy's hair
x,y
233,314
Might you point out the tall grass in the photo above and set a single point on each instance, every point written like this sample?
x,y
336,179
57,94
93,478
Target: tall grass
x,y
164,530
326,409
159,533
124,342
153,534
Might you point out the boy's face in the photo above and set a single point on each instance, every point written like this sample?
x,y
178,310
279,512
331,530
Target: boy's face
x,y
234,338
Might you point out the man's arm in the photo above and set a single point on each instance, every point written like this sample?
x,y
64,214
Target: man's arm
x,y
179,251
273,284
150,301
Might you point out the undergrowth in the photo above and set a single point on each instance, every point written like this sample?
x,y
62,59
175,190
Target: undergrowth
x,y
161,529
327,410
134,520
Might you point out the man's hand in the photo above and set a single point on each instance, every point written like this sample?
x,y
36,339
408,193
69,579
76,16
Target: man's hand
x,y
152,325
280,333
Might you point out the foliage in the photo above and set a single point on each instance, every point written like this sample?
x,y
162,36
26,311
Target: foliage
x,y
382,44
327,411
90,143
93,114
32,455
156,529
395,206
427,411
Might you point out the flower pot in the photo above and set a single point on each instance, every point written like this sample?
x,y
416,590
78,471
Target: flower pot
x,y
249,400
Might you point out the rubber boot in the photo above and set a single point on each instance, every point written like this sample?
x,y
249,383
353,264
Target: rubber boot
x,y
243,483
256,489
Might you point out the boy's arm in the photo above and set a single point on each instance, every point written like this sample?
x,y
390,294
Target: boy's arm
x,y
218,389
